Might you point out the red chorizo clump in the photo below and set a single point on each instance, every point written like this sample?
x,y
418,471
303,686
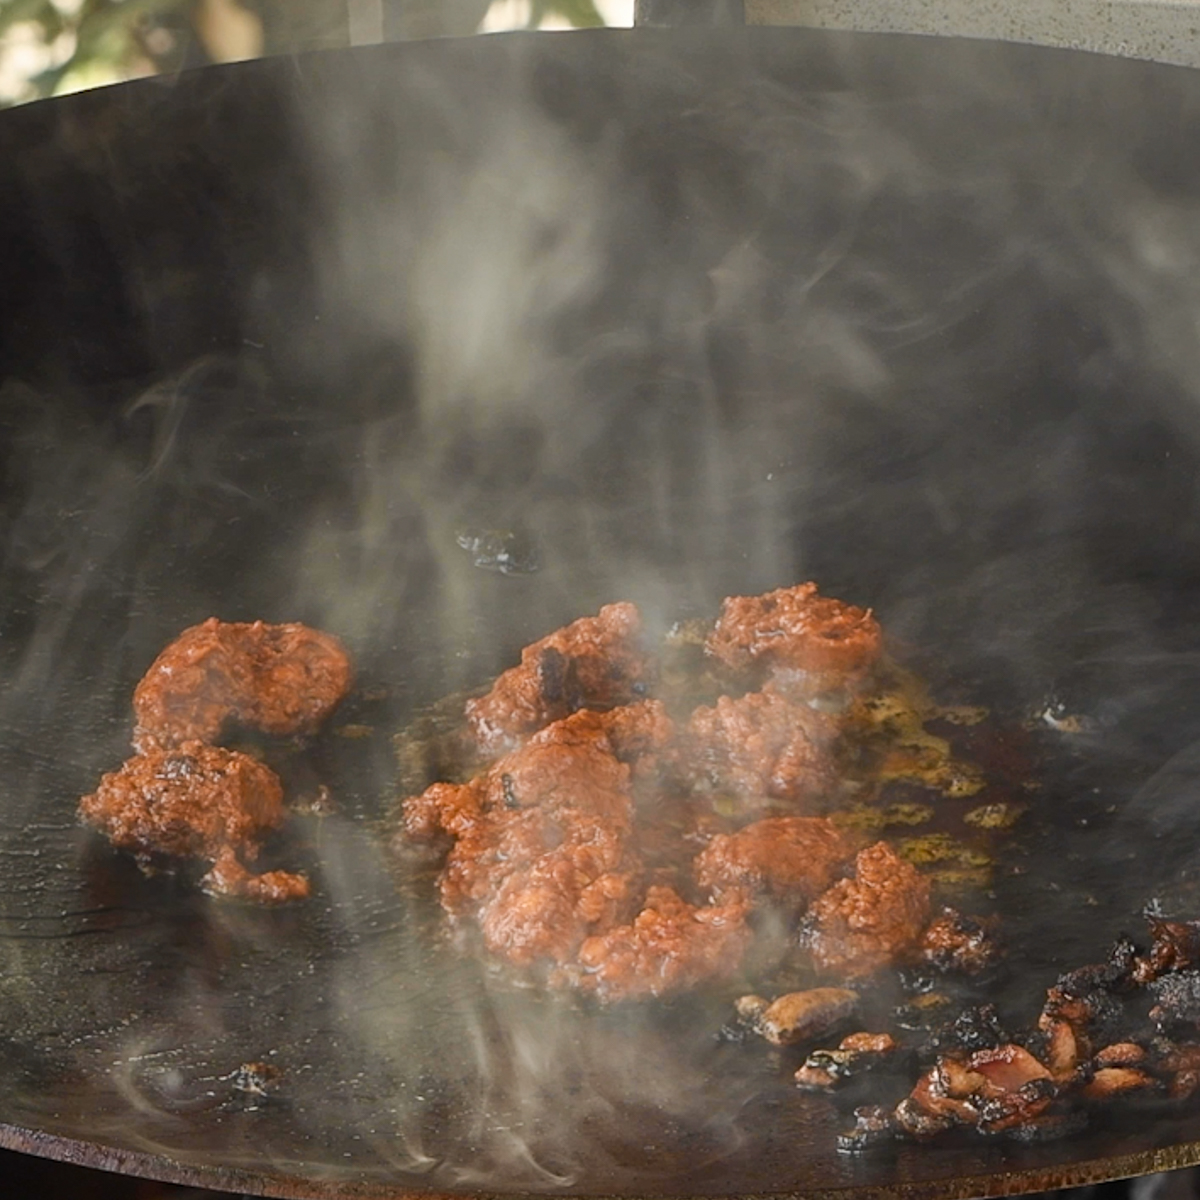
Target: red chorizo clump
x,y
670,945
793,857
762,744
872,920
542,855
196,801
796,629
595,662
282,679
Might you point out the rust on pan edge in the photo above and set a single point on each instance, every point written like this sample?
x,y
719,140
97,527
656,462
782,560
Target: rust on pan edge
x,y
965,1187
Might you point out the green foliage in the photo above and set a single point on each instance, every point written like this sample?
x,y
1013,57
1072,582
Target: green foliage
x,y
116,38
580,13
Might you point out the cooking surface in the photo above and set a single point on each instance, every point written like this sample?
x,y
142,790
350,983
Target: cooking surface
x,y
699,316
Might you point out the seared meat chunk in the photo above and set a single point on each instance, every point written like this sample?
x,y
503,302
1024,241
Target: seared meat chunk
x,y
797,1016
595,662
669,946
787,857
282,679
871,921
761,745
196,802
796,629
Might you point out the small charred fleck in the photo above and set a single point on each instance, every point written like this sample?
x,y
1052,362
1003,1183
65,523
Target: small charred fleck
x,y
508,551
1121,958
874,1126
254,1078
552,674
918,981
734,1034
510,795
558,678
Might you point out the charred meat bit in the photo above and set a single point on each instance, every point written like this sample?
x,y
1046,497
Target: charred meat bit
x,y
197,802
785,857
761,745
795,629
871,921
953,942
798,1016
993,1090
974,1029
669,946
282,679
595,662
855,1055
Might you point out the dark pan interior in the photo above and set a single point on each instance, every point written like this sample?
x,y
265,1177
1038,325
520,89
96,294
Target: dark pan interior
x,y
701,315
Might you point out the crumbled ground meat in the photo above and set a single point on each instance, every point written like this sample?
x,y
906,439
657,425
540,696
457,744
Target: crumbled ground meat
x,y
761,745
282,679
196,802
871,921
796,629
670,945
595,662
542,854
787,857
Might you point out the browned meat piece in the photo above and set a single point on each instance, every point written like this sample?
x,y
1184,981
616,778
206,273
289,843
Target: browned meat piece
x,y
855,1055
196,801
763,744
595,662
281,679
542,857
956,943
793,857
670,945
872,920
797,1016
868,1043
995,1090
796,629
1121,1054
1117,1081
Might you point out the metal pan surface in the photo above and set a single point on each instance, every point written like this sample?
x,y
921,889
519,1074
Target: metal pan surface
x,y
697,314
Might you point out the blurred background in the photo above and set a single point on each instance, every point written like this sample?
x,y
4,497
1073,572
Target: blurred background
x,y
52,47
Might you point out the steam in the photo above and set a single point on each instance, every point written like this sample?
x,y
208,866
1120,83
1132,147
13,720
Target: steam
x,y
700,323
